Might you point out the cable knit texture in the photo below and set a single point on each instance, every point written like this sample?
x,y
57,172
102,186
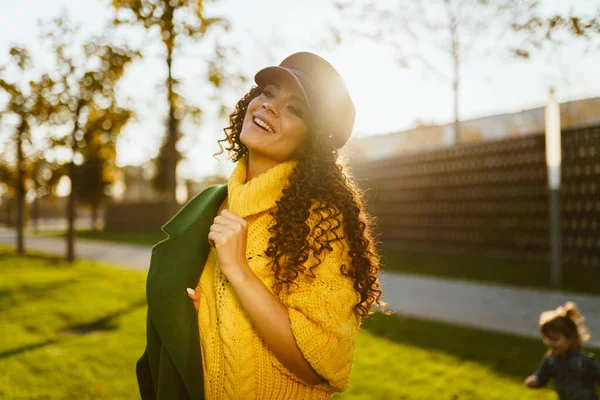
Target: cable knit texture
x,y
237,364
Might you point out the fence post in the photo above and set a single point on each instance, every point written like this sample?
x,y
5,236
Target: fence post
x,y
553,162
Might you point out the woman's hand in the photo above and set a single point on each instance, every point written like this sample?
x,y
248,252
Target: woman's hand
x,y
228,234
532,381
195,296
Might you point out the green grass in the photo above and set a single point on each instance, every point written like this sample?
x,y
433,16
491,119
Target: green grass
x,y
68,332
75,332
490,269
407,358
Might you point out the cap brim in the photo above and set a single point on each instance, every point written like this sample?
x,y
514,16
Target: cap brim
x,y
271,74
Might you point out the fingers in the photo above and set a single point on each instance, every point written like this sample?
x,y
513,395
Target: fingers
x,y
226,226
228,223
232,216
532,381
227,218
224,229
195,296
218,239
214,238
219,228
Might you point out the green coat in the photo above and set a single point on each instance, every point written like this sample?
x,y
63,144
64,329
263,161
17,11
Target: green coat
x,y
171,366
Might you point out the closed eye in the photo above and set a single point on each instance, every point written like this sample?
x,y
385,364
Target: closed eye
x,y
268,93
296,111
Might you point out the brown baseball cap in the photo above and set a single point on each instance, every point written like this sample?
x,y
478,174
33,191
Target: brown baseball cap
x,y
329,103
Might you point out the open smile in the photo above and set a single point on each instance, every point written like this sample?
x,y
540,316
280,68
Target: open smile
x,y
263,124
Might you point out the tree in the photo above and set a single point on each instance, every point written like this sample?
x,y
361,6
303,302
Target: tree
x,y
176,21
44,177
98,170
87,106
539,30
6,174
439,36
7,180
30,107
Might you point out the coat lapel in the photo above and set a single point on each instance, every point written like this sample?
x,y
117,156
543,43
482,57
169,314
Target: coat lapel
x,y
177,264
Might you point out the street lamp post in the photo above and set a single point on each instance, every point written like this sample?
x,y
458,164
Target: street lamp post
x,y
553,162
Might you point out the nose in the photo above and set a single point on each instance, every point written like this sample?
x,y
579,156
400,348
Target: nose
x,y
270,108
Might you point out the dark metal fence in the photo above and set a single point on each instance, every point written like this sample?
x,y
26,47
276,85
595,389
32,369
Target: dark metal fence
x,y
489,198
138,216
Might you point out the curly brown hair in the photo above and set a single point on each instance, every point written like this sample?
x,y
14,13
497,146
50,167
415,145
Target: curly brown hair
x,y
565,320
318,184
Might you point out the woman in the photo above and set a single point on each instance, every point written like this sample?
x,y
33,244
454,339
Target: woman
x,y
291,266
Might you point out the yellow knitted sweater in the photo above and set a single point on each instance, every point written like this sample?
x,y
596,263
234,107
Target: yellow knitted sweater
x,y
237,363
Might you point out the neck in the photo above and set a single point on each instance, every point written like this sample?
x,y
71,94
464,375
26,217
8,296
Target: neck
x,y
258,165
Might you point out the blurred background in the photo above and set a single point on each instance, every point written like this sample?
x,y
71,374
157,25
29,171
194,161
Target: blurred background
x,y
476,142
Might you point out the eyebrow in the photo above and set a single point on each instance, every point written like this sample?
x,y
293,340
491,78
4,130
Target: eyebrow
x,y
293,96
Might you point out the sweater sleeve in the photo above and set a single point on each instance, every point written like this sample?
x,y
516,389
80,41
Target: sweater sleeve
x,y
593,369
322,318
545,371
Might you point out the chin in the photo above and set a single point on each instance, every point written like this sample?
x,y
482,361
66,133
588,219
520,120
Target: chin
x,y
248,141
255,141
246,137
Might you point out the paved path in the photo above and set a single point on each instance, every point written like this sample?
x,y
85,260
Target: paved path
x,y
497,308
131,256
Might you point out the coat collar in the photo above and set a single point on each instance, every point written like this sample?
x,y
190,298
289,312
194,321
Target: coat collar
x,y
196,210
177,264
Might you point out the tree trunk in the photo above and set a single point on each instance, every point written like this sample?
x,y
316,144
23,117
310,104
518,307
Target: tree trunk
x,y
9,204
20,188
71,203
455,89
172,135
35,214
71,216
454,48
95,217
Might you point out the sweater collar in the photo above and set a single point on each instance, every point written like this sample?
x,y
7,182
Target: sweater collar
x,y
259,194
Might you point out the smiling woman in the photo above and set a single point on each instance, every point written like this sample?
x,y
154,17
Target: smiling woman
x,y
281,258
276,124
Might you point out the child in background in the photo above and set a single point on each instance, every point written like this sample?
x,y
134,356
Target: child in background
x,y
574,371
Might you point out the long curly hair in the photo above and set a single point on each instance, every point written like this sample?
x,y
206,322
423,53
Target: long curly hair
x,y
318,184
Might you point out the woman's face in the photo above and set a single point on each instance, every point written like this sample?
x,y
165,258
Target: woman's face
x,y
276,123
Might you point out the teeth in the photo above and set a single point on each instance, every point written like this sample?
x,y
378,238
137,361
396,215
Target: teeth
x,y
263,124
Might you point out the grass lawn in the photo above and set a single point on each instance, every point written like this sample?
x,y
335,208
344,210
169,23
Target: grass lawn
x,y
406,358
68,332
75,332
490,269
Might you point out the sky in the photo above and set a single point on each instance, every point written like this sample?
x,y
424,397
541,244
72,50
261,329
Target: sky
x,y
388,98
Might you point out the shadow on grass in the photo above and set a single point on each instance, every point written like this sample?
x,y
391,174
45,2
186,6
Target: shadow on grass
x,y
23,349
41,289
33,291
506,354
106,323
7,254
